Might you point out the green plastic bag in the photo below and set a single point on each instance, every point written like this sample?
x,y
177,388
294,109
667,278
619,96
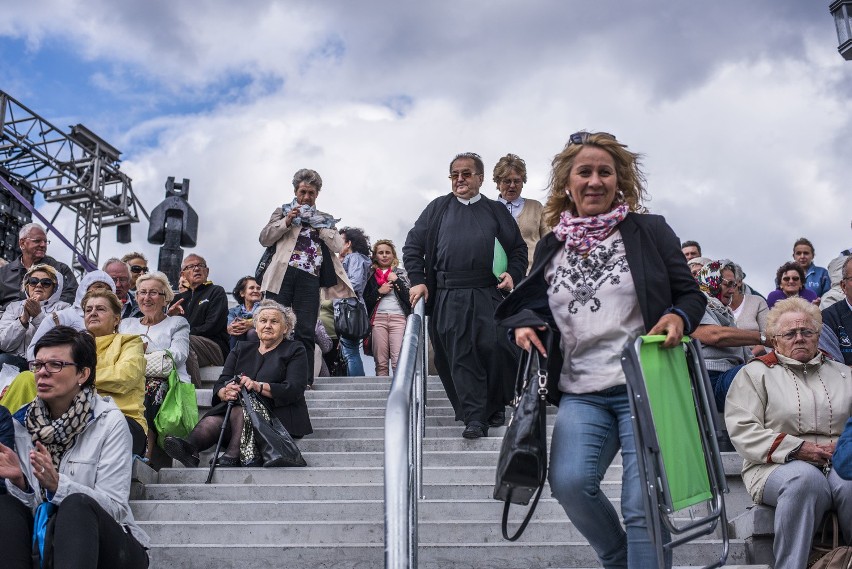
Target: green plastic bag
x,y
673,408
179,413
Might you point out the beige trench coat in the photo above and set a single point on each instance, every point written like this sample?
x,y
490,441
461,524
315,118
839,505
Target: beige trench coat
x,y
277,231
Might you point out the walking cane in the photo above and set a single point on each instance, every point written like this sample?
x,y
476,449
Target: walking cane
x,y
221,436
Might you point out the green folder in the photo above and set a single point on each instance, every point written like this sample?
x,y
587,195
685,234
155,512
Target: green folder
x,y
501,262
669,390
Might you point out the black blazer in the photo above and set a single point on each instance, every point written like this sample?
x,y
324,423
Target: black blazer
x,y
400,289
285,369
659,270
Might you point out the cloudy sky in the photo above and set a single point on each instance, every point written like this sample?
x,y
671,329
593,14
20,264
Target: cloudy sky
x,y
741,109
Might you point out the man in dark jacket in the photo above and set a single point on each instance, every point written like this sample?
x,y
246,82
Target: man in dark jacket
x,y
33,243
837,318
463,255
205,306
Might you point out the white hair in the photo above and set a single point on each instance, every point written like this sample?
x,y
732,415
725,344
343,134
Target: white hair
x,y
25,230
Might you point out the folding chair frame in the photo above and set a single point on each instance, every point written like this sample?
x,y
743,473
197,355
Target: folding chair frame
x,y
656,495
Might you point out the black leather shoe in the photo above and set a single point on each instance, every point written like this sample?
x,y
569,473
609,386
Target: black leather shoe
x,y
475,430
226,461
181,451
498,419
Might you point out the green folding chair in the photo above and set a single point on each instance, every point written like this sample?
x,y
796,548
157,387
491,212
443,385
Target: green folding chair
x,y
673,413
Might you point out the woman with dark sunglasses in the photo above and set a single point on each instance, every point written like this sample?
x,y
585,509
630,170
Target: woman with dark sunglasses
x,y
790,282
42,287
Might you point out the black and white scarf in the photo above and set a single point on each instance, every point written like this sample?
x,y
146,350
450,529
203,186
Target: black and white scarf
x,y
59,434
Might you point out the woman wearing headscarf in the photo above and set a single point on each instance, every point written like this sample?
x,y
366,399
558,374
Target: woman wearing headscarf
x,y
606,274
42,286
724,346
73,315
749,309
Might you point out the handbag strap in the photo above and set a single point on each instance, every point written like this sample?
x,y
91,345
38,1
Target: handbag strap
x,y
527,518
505,523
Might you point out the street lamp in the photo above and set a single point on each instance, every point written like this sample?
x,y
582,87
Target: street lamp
x,y
841,10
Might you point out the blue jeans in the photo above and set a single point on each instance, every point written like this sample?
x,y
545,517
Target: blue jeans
x,y
352,354
722,381
588,432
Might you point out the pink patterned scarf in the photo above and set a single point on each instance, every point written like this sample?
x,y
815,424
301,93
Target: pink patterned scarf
x,y
582,234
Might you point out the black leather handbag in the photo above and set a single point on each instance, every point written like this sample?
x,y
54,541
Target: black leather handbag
x,y
277,447
522,465
351,320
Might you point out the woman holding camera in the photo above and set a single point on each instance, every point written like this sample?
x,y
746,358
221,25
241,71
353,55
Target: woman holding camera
x,y
304,261
276,369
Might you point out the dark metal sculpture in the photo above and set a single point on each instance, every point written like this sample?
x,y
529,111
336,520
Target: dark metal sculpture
x,y
174,225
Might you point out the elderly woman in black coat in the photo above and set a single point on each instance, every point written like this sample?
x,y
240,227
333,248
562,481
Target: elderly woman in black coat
x,y
275,369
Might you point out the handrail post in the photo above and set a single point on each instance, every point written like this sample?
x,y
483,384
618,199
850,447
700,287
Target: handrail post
x,y
404,431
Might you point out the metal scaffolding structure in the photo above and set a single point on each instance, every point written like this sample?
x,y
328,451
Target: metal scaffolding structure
x,y
77,170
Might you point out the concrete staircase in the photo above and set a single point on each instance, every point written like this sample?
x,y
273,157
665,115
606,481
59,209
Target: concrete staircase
x,y
330,514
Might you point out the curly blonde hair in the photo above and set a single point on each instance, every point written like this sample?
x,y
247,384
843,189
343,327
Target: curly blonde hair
x,y
631,180
390,244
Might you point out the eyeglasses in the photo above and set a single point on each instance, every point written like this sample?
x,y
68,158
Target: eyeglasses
x,y
512,182
790,279
38,241
806,333
155,293
33,281
726,282
117,280
51,366
138,269
464,175
194,266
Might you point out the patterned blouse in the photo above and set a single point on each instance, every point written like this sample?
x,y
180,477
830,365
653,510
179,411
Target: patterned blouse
x,y
307,254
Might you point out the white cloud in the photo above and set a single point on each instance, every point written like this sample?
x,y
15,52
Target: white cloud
x,y
739,109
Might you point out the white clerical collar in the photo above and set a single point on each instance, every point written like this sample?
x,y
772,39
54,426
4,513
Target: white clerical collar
x,y
472,200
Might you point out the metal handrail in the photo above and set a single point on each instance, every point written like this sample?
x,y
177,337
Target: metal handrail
x,y
404,430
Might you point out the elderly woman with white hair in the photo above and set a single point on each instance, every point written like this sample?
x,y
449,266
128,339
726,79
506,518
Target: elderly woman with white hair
x,y
785,412
276,369
160,333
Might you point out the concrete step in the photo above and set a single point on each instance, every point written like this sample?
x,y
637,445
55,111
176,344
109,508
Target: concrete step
x,y
332,491
331,510
335,475
447,431
505,555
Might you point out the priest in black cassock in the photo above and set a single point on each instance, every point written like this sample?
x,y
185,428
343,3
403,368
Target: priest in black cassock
x,y
463,256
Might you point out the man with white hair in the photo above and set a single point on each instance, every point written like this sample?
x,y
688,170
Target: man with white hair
x,y
33,242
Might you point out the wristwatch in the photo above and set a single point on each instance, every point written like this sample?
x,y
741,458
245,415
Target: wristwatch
x,y
762,338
